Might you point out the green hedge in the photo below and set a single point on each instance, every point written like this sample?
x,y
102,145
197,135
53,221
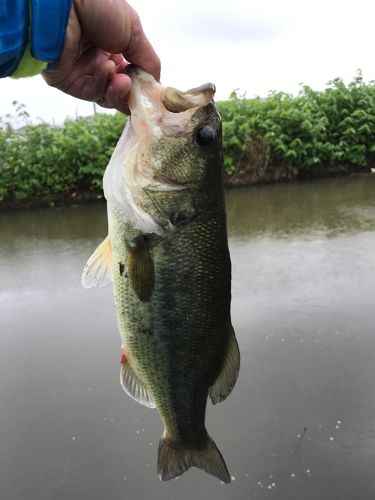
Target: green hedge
x,y
297,134
41,159
334,126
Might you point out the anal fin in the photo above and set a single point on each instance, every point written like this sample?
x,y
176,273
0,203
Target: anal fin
x,y
132,385
228,374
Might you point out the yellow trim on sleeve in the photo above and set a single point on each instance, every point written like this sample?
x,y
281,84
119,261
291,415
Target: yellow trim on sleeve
x,y
29,66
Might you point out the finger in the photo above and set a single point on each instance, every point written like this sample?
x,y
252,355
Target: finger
x,y
117,58
117,93
138,49
96,84
120,62
122,32
62,73
141,53
89,85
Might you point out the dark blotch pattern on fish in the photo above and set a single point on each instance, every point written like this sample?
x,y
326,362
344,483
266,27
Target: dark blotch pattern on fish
x,y
121,268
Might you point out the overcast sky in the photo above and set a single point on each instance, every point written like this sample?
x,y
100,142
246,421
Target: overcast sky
x,y
239,44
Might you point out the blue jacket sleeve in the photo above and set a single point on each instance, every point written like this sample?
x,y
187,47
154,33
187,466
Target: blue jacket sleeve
x,y
45,31
14,23
48,26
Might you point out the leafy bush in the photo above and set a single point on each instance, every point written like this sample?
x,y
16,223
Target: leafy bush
x,y
334,126
41,159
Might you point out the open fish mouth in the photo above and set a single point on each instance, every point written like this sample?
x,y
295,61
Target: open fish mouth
x,y
175,101
166,109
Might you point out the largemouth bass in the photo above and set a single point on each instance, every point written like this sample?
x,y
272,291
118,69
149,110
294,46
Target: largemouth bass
x,y
167,255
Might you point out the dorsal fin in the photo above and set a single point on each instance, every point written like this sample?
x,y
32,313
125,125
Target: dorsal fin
x,y
98,270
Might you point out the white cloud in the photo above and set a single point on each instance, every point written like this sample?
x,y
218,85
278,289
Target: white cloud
x,y
42,102
222,24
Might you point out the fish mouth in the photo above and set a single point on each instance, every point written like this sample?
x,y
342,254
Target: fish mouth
x,y
177,101
164,183
153,106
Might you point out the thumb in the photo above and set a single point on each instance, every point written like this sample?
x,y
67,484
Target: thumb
x,y
114,26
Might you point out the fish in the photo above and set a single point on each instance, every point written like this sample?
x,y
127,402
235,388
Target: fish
x,y
167,256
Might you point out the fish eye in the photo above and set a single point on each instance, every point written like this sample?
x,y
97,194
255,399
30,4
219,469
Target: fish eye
x,y
205,135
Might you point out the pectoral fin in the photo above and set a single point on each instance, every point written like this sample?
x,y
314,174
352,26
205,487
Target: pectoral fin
x,y
228,374
98,270
141,272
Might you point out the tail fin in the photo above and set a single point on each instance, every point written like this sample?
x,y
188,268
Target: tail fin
x,y
173,461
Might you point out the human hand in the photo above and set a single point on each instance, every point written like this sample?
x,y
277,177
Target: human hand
x,y
100,33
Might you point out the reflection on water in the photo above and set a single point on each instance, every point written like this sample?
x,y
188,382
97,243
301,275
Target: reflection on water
x,y
301,421
329,207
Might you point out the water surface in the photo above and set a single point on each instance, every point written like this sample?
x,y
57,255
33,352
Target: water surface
x,y
300,423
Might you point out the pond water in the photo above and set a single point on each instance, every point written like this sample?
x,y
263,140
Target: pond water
x,y
300,424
